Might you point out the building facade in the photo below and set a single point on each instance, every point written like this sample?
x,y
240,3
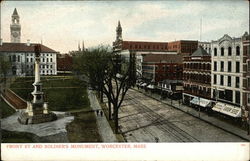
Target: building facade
x,y
227,75
246,77
22,58
64,64
197,78
159,67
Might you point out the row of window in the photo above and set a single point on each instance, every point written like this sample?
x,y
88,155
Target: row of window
x,y
41,66
31,54
201,66
229,51
41,59
229,81
229,66
147,47
17,58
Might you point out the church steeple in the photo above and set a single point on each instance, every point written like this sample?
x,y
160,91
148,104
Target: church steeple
x,y
119,31
15,28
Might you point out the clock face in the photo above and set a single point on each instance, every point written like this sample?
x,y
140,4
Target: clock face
x,y
15,34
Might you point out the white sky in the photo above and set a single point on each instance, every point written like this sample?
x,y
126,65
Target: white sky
x,y
62,24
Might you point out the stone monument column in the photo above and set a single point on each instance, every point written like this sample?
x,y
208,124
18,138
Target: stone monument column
x,y
37,110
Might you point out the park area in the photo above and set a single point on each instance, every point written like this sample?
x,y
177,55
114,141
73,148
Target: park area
x,y
64,94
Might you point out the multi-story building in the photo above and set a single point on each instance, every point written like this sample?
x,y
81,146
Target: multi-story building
x,y
164,73
22,56
159,67
139,48
246,77
197,79
227,75
183,47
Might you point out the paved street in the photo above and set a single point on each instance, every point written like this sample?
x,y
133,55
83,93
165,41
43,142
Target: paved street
x,y
144,119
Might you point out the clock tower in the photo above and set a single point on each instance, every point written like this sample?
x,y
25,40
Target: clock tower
x,y
15,28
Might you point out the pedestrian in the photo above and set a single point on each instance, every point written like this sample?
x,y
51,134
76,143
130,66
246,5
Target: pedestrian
x,y
156,139
101,113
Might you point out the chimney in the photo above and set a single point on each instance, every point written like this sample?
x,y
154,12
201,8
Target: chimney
x,y
28,42
1,42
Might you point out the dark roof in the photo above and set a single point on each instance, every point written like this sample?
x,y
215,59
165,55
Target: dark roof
x,y
15,12
23,47
200,52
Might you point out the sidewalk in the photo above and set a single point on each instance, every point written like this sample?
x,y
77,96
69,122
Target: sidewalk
x,y
201,115
102,123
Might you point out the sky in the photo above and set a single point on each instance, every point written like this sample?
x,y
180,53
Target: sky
x,y
61,25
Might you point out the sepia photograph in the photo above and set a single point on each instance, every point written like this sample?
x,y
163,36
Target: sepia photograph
x,y
125,80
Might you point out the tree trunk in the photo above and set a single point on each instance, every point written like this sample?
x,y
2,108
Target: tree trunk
x,y
116,121
101,97
109,104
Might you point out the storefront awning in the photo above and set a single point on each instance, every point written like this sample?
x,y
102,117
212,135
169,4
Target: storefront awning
x,y
200,101
143,84
227,109
151,86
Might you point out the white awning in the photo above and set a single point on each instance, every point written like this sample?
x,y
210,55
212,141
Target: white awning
x,y
151,86
227,109
200,101
143,84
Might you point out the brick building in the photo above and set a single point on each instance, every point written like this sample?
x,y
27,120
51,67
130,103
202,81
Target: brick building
x,y
246,77
183,47
159,67
64,63
197,79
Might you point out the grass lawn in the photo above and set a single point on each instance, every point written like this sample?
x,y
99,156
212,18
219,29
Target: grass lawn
x,y
83,128
5,109
57,90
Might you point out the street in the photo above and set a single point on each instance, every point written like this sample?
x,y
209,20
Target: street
x,y
143,119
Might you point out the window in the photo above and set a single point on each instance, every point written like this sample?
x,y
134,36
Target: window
x,y
229,81
31,59
248,66
237,67
222,66
215,79
47,59
237,97
237,51
18,58
27,59
237,82
215,51
51,59
215,66
14,58
222,80
248,98
222,51
50,66
229,66
47,66
229,51
43,60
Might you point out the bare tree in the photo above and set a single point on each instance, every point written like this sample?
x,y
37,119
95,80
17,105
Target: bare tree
x,y
106,74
